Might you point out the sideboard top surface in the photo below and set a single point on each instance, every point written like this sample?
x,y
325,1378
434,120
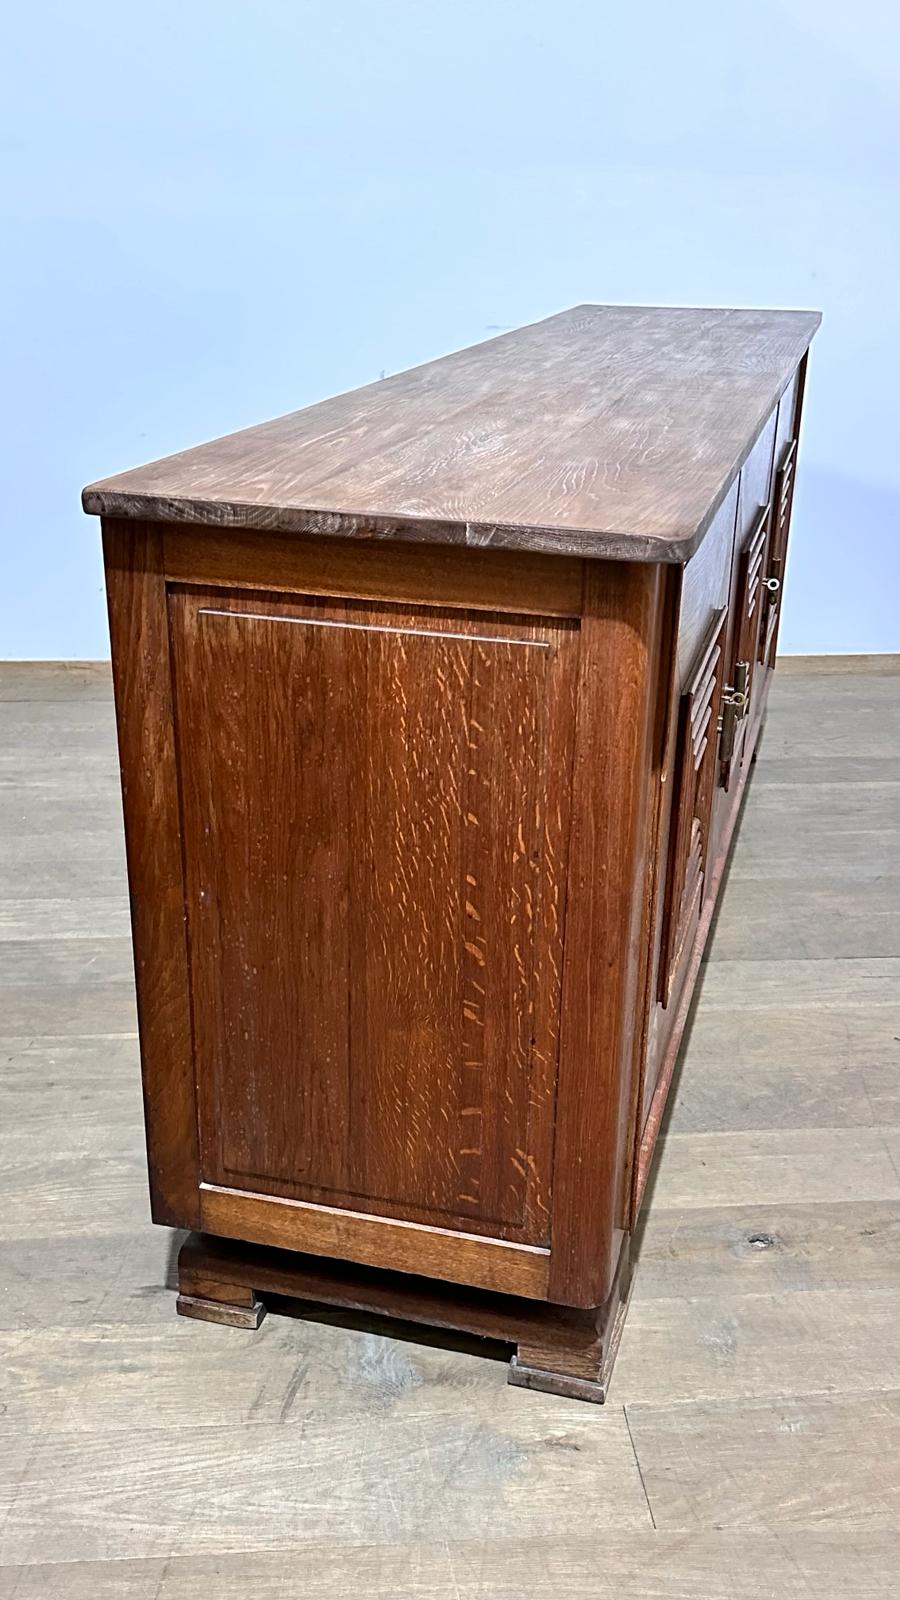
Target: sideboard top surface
x,y
603,431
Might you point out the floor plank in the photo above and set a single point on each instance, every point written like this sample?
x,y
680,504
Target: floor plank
x,y
794,1067
750,1444
66,963
64,864
799,772
790,1564
74,1281
790,917
55,680
774,1166
768,1248
72,1193
68,1008
887,665
726,1346
822,1460
767,985
483,1470
76,917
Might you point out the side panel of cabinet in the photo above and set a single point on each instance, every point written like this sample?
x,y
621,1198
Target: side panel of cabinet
x,y
136,597
374,805
368,802
623,689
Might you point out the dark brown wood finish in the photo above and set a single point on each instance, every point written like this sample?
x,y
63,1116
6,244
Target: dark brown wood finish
x,y
787,438
135,588
477,580
605,431
621,627
746,602
691,827
375,909
345,1449
701,593
424,843
726,568
561,1350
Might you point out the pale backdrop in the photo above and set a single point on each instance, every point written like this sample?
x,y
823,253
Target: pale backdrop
x,y
217,212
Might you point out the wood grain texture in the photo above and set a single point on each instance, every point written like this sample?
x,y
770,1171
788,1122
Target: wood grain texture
x,y
721,1348
553,1347
610,431
139,634
489,580
619,685
768,1247
705,585
747,606
784,478
377,1241
834,1066
727,571
223,1484
689,863
701,592
634,1564
375,903
776,1167
743,1463
658,1079
144,1455
68,681
419,994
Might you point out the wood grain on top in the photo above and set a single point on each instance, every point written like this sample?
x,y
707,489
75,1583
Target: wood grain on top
x,y
603,431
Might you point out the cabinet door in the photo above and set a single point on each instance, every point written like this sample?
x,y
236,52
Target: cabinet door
x,y
689,843
780,520
746,601
375,820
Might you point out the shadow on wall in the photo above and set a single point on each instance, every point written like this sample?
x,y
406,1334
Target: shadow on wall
x,y
843,566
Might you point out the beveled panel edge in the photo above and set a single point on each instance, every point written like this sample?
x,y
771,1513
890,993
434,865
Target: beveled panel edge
x,y
483,1263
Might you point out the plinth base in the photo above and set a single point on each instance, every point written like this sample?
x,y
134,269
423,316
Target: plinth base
x,y
558,1350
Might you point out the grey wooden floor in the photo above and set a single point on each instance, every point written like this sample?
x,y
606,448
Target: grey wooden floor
x,y
751,1446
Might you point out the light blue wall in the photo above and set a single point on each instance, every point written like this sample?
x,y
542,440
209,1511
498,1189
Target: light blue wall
x,y
219,212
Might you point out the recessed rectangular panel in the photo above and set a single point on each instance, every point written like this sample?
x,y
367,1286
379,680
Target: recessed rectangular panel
x,y
375,806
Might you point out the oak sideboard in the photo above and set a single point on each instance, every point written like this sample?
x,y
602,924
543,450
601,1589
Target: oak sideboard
x,y
436,703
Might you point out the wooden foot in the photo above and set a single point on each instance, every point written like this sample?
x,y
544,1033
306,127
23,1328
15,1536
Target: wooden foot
x,y
558,1350
191,1305
556,1383
235,1305
574,1360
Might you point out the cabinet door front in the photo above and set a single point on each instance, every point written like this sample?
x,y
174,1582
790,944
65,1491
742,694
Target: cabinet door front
x,y
746,601
785,468
374,813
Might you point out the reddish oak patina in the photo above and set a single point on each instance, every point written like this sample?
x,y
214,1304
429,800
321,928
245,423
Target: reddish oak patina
x,y
436,704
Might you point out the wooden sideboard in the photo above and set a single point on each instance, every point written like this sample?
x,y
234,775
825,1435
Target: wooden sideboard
x,y
436,704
